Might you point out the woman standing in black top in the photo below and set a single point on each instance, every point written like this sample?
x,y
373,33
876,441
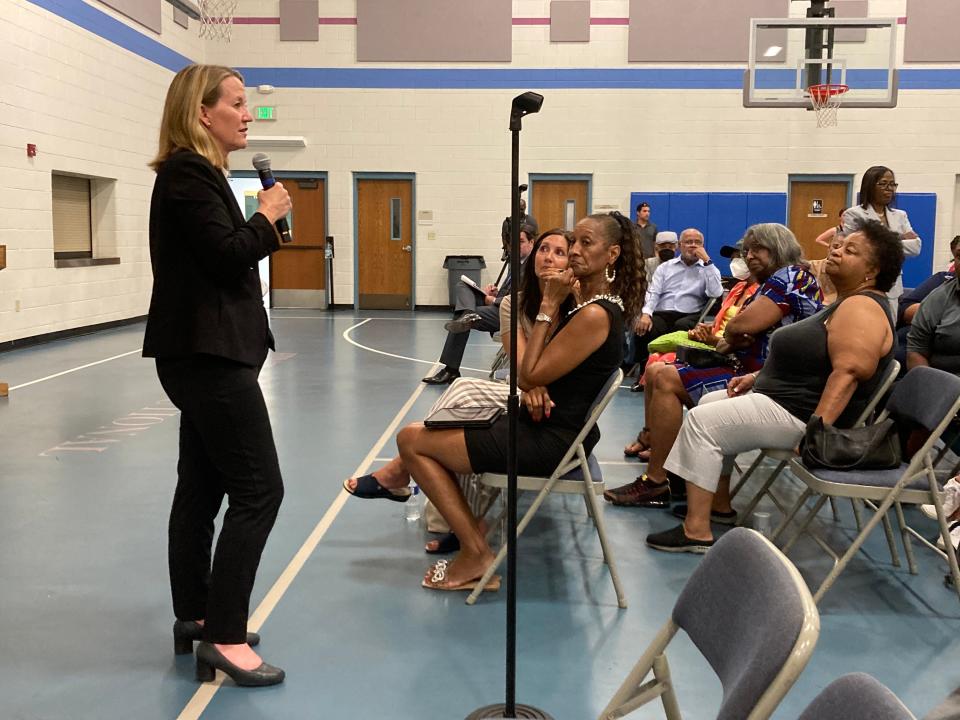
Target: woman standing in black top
x,y
828,364
208,331
560,381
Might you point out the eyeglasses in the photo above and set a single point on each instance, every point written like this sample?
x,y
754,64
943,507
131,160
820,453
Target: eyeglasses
x,y
887,185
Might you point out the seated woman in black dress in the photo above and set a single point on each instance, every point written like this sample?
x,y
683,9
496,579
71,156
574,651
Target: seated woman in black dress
x,y
561,380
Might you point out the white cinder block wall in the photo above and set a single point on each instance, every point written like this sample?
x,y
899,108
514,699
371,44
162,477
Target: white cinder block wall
x,y
101,120
91,108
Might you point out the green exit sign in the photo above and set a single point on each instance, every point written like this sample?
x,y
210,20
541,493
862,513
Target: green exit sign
x,y
266,112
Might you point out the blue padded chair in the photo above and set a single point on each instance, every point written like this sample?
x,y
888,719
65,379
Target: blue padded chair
x,y
749,612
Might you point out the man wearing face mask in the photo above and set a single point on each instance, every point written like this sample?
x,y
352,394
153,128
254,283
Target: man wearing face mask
x,y
666,250
738,266
679,289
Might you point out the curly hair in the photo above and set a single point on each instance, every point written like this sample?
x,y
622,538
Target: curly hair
x,y
631,281
529,287
887,251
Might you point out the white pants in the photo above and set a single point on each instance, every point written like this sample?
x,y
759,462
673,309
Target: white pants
x,y
467,392
719,428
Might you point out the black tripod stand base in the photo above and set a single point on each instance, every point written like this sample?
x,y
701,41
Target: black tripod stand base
x,y
499,711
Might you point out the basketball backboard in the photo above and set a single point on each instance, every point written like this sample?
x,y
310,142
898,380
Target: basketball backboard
x,y
788,55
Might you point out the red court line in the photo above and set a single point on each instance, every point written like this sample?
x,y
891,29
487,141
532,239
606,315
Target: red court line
x,y
521,21
276,21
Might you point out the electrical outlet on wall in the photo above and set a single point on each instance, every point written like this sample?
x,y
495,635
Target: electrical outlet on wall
x,y
16,306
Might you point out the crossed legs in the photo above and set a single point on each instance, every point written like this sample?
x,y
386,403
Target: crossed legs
x,y
433,457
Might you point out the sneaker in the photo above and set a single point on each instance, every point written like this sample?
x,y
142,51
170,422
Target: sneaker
x,y
642,492
462,324
951,500
676,541
954,536
724,518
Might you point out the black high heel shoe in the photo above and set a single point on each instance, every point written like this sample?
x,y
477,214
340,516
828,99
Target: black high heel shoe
x,y
209,660
187,632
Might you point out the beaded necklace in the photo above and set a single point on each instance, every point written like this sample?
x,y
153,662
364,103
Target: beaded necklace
x,y
615,299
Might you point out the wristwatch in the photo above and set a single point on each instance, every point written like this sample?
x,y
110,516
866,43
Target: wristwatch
x,y
543,317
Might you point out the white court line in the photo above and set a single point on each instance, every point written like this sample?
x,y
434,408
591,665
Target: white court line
x,y
346,336
73,370
198,703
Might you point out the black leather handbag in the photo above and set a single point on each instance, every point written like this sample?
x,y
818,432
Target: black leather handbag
x,y
701,358
872,447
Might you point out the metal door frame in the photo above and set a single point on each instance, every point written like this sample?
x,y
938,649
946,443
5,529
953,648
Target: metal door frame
x,y
532,179
282,175
412,177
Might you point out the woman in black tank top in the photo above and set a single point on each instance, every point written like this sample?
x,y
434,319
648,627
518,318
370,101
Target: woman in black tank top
x,y
560,381
828,364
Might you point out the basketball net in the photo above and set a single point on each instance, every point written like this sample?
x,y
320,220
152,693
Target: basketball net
x,y
825,101
216,19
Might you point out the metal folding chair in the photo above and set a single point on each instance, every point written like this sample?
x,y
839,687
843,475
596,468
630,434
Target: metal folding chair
x,y
783,457
749,612
929,399
576,473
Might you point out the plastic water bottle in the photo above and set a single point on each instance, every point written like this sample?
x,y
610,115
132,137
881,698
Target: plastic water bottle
x,y
763,524
411,508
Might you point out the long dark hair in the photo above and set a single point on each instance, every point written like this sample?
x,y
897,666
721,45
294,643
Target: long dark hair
x,y
868,185
529,289
631,281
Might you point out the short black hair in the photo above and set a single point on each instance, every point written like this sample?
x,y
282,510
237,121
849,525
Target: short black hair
x,y
887,251
954,242
641,206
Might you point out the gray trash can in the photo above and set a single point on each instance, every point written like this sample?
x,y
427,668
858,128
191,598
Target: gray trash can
x,y
457,265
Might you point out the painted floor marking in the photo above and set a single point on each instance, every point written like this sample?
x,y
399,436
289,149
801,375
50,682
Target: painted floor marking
x,y
73,370
346,336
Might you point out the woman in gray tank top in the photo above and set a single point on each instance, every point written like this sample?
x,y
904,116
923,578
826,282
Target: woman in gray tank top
x,y
828,364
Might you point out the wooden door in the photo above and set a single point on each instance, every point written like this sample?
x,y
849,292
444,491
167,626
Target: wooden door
x,y
385,244
297,269
814,207
558,203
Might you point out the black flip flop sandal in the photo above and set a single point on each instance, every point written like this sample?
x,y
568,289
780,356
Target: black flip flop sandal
x,y
446,543
369,489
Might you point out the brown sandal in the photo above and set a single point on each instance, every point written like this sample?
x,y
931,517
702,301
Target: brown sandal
x,y
643,441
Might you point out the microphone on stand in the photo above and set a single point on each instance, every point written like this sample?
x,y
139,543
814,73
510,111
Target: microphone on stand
x,y
262,164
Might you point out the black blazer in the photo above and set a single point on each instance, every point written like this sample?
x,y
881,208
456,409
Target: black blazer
x,y
206,286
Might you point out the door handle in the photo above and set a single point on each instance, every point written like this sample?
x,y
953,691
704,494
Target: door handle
x,y
407,248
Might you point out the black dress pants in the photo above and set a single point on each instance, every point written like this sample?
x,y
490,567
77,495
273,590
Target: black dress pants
x,y
664,321
226,448
456,343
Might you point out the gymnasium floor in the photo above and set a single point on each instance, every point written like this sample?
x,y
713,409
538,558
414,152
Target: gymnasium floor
x,y
89,456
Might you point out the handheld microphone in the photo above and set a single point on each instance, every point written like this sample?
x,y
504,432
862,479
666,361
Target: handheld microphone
x,y
262,164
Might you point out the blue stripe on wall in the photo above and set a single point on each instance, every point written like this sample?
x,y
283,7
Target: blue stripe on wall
x,y
559,78
111,29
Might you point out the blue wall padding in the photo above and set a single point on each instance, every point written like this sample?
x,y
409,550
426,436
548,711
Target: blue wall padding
x,y
723,216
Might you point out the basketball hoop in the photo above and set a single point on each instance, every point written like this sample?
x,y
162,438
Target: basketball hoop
x,y
216,19
825,101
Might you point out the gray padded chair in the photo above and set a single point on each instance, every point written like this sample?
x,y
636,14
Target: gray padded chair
x,y
749,612
856,696
577,474
928,398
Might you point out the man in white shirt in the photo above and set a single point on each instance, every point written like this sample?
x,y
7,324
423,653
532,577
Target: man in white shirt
x,y
677,293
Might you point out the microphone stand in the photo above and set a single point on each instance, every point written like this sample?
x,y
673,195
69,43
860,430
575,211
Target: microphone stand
x,y
525,104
